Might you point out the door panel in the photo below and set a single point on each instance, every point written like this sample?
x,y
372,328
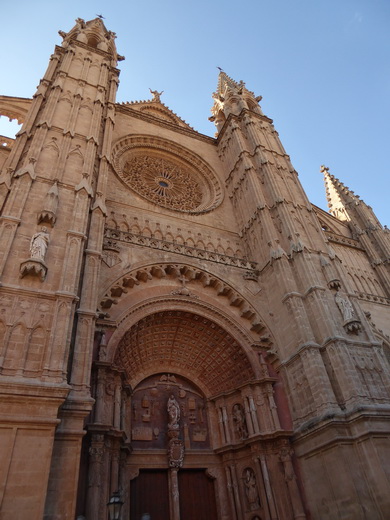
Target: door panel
x,y
197,496
149,494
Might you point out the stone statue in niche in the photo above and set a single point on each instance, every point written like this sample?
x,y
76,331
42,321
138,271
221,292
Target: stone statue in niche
x,y
345,307
240,427
285,457
251,489
173,413
39,244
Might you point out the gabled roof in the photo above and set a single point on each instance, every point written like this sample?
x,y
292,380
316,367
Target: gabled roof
x,y
157,109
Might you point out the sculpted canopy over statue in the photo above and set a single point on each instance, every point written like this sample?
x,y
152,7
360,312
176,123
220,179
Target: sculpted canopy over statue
x,y
39,243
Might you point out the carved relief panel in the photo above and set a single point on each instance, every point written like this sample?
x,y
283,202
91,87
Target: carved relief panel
x,y
149,416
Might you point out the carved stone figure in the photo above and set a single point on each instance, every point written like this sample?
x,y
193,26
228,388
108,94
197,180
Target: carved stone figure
x,y
345,307
156,95
39,244
251,489
239,422
173,413
285,457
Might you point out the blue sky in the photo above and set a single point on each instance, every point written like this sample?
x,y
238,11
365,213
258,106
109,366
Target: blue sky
x,y
322,67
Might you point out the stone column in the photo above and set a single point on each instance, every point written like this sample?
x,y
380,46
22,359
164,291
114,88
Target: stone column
x,y
226,424
117,406
236,492
248,417
94,491
221,428
253,411
261,487
261,461
174,504
230,487
115,469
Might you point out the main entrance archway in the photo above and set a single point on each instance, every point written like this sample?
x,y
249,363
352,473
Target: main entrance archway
x,y
183,409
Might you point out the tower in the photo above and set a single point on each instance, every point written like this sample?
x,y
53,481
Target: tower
x,y
177,320
58,167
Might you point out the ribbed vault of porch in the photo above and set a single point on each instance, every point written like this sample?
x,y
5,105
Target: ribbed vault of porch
x,y
185,343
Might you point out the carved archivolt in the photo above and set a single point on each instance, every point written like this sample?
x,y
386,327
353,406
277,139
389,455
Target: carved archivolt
x,y
167,174
185,274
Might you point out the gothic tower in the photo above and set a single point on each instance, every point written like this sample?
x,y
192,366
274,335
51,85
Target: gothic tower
x,y
52,219
176,319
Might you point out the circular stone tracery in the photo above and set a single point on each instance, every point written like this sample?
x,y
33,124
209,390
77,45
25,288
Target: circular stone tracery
x,y
163,182
167,174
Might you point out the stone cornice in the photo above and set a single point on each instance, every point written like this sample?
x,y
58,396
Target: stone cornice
x,y
181,249
373,298
343,240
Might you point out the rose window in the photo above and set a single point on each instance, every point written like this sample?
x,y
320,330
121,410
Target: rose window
x,y
167,175
163,182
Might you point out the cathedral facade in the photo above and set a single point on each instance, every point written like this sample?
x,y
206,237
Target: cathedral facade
x,y
179,327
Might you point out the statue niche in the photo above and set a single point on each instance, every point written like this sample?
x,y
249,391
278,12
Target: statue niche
x,y
239,422
251,491
166,406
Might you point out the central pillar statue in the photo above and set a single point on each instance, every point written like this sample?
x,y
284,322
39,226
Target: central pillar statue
x,y
175,455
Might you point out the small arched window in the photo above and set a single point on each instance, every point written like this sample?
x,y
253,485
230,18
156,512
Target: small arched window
x,y
93,41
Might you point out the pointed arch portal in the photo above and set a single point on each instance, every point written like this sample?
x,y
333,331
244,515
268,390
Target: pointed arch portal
x,y
222,442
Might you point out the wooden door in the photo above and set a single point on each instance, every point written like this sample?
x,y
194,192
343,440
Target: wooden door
x,y
197,495
149,494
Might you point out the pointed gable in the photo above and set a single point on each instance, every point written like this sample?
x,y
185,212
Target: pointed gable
x,y
154,108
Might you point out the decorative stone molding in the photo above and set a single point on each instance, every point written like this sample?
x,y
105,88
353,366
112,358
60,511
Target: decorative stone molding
x,y
160,271
373,298
48,213
28,169
33,267
334,284
340,239
175,445
182,249
5,177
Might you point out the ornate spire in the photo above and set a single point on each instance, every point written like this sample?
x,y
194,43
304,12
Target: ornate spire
x,y
338,195
94,34
226,83
231,97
